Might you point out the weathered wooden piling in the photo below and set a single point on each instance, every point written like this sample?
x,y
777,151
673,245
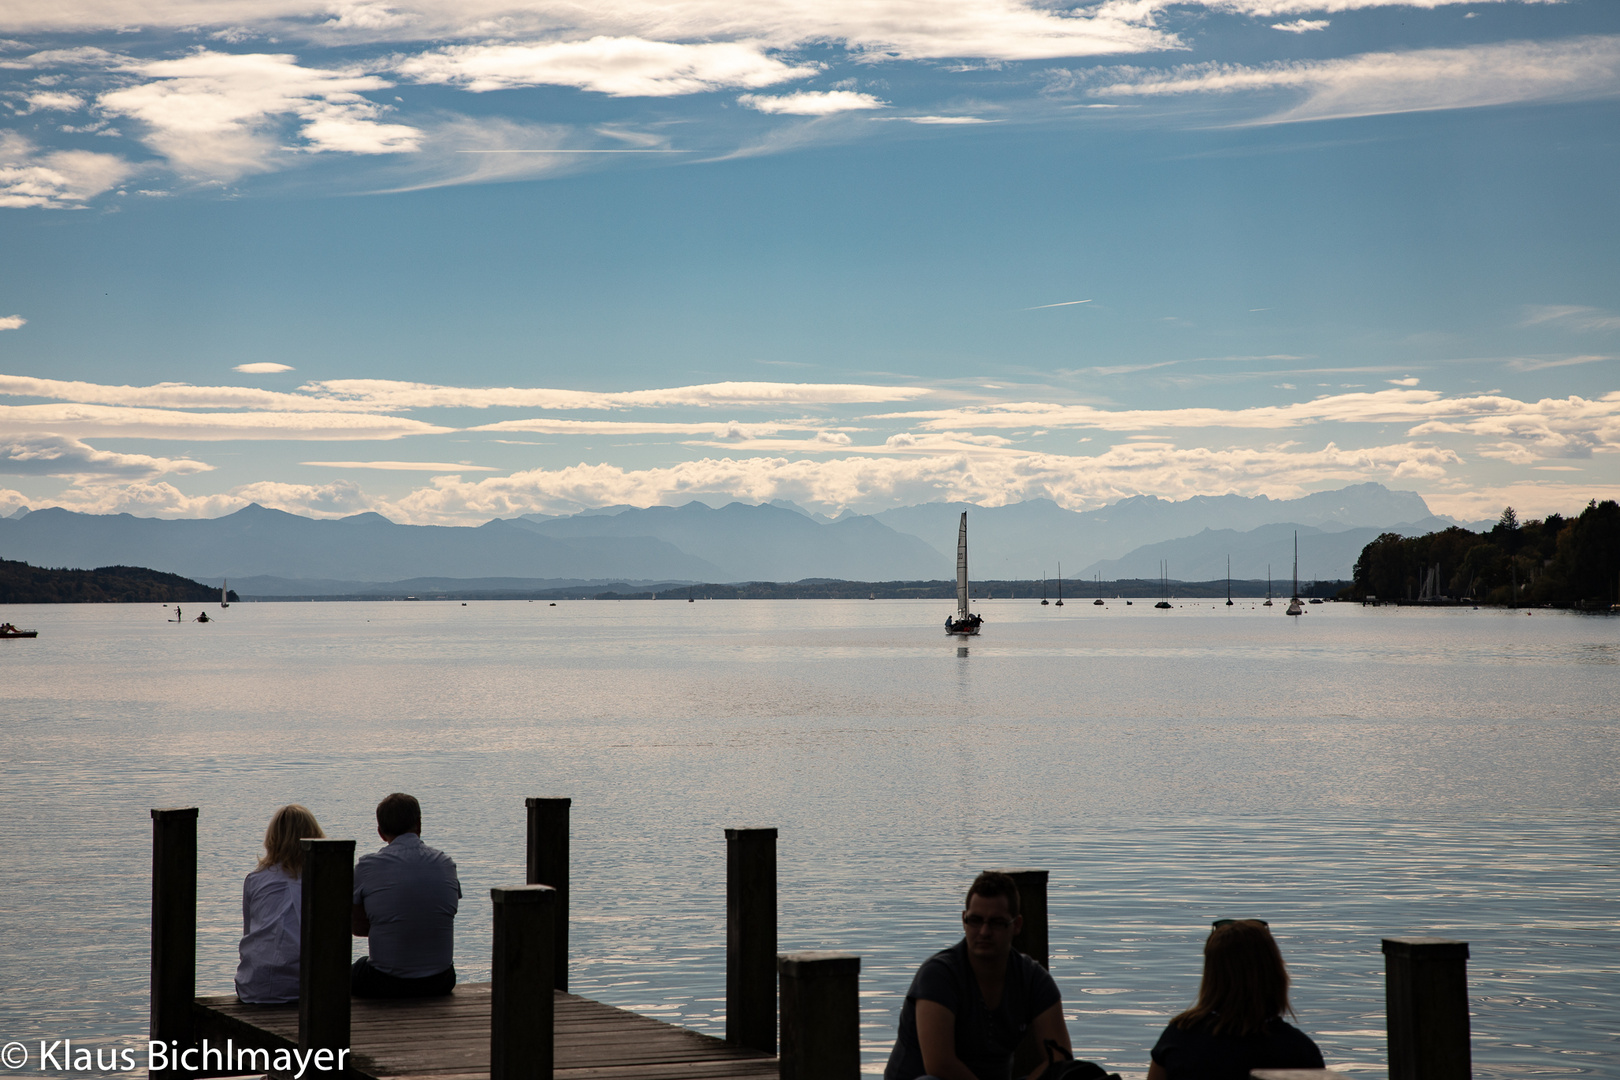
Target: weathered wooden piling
x,y
821,1020
1033,940
548,865
174,927
751,938
1426,1000
522,1023
324,946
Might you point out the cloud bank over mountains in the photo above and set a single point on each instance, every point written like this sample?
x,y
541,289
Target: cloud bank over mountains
x,y
852,452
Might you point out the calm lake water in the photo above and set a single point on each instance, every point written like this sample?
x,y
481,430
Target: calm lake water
x,y
1352,774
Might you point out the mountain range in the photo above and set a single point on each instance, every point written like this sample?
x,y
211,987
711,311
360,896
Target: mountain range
x,y
293,555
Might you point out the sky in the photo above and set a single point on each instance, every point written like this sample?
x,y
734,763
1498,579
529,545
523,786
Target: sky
x,y
451,261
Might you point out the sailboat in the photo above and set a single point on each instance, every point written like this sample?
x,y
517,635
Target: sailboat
x,y
965,622
1229,581
1098,602
1268,586
1060,585
1294,606
1164,585
1044,601
224,592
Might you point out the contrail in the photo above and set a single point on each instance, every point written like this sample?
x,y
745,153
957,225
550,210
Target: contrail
x,y
1066,303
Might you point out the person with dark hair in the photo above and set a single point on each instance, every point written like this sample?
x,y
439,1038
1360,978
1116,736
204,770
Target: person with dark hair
x,y
272,911
1237,1023
405,899
970,1006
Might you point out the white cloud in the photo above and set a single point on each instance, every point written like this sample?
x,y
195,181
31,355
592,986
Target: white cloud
x,y
220,115
1280,470
1396,82
52,101
338,499
107,421
1301,26
55,179
944,120
1430,410
175,396
812,102
266,368
404,466
46,454
388,394
12,322
617,66
879,29
731,429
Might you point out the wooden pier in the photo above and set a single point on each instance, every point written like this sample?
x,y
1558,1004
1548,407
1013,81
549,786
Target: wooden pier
x,y
449,1039
524,1025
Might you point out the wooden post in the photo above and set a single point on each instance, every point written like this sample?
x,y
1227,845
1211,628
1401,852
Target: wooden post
x,y
1034,941
751,938
522,1036
1426,999
548,865
323,954
174,927
821,1020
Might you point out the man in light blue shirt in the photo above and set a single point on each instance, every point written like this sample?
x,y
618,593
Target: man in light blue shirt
x,y
405,899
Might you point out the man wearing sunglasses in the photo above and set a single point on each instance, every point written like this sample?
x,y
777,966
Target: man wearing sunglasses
x,y
970,1006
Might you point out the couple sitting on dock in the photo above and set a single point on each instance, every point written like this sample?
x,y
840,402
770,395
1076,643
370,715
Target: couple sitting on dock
x,y
972,1005
405,899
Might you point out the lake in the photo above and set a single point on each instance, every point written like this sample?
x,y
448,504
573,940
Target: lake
x,y
1352,774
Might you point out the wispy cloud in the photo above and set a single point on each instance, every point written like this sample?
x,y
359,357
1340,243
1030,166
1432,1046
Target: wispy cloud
x,y
54,179
1420,80
812,102
616,66
12,322
1571,316
59,455
112,422
1301,26
221,115
382,393
265,368
1061,303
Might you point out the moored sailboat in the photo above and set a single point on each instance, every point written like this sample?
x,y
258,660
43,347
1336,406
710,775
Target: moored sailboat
x,y
1294,606
966,622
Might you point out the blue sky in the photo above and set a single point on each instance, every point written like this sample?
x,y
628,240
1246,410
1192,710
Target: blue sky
x,y
456,261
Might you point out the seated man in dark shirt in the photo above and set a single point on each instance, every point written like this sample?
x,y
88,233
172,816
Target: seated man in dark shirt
x,y
405,900
970,1006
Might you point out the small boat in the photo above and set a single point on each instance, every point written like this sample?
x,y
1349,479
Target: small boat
x,y
224,592
202,618
1294,606
7,630
966,622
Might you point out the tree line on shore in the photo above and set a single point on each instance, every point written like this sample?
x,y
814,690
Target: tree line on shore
x,y
1552,560
24,584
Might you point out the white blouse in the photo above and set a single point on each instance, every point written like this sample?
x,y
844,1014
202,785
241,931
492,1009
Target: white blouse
x,y
272,909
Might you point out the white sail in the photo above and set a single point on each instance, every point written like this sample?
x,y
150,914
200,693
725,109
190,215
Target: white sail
x,y
961,570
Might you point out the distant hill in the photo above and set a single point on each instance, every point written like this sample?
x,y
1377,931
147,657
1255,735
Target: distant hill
x,y
1324,553
24,584
366,547
1028,539
763,543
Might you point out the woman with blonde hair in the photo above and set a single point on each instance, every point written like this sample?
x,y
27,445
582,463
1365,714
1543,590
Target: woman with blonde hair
x,y
1237,1023
272,911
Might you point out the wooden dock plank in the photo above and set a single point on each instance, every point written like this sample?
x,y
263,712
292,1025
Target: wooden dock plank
x,y
448,1039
